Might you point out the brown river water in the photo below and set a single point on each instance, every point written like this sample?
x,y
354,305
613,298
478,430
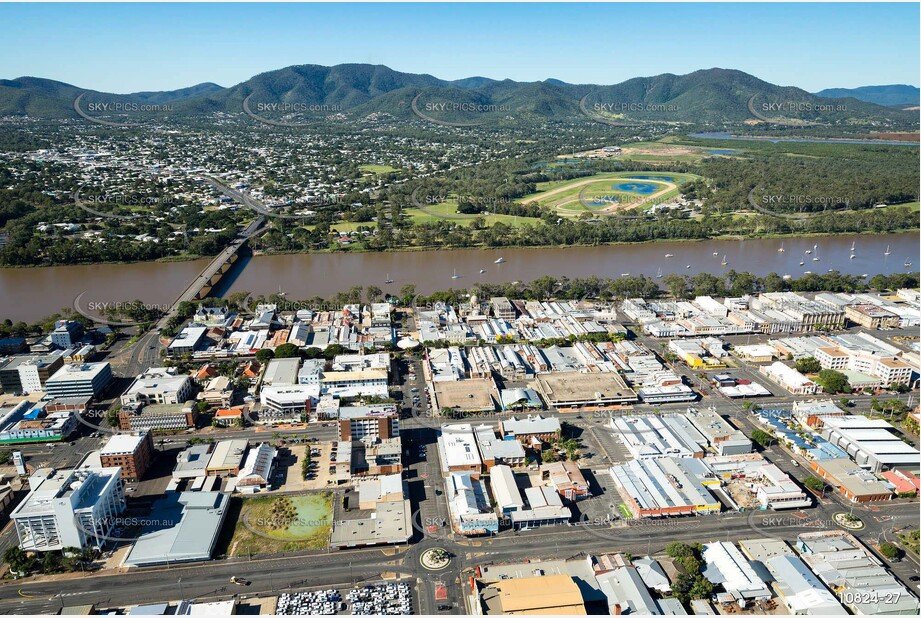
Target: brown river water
x,y
29,293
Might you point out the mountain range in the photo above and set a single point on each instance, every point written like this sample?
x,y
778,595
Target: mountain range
x,y
896,95
710,96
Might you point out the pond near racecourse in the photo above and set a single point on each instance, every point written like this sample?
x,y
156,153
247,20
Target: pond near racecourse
x,y
671,179
642,188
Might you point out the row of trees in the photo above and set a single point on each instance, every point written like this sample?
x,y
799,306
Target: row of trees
x,y
691,584
23,563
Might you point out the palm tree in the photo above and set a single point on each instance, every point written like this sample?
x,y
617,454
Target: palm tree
x,y
20,562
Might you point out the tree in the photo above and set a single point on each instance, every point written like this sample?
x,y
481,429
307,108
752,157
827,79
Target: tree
x,y
572,449
549,456
5,457
890,551
807,365
833,381
265,355
51,562
287,350
702,588
373,293
763,438
816,485
20,562
678,549
677,286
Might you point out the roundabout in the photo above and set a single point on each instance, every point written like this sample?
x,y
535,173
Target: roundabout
x,y
848,521
435,559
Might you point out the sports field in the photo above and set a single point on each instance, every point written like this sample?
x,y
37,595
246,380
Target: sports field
x,y
447,211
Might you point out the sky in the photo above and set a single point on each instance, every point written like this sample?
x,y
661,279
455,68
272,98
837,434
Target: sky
x,y
132,47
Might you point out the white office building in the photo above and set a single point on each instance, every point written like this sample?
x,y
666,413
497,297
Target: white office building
x,y
287,400
158,385
85,380
69,508
367,382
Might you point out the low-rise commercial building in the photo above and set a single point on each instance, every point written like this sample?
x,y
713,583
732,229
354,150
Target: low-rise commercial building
x,y
192,463
662,487
473,396
287,402
531,431
389,523
810,413
858,578
852,481
372,458
468,503
571,391
720,435
30,421
727,566
566,479
790,379
799,589
158,417
627,593
384,488
547,594
184,527
757,353
495,451
458,450
364,383
218,392
256,472
187,340
227,457
282,371
872,443
518,399
653,436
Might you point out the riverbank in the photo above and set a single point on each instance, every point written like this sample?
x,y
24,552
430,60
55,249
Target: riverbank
x,y
27,294
728,237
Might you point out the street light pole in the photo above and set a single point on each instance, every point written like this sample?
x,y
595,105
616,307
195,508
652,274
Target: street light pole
x,y
181,595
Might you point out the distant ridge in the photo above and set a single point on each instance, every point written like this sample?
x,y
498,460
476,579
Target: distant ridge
x,y
895,95
709,96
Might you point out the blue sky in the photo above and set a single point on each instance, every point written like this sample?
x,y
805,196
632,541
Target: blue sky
x,y
131,47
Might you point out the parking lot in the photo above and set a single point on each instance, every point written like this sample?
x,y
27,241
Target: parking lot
x,y
288,475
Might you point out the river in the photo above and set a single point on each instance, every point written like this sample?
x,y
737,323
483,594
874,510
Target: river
x,y
29,293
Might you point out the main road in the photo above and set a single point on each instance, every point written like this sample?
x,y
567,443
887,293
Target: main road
x,y
211,580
